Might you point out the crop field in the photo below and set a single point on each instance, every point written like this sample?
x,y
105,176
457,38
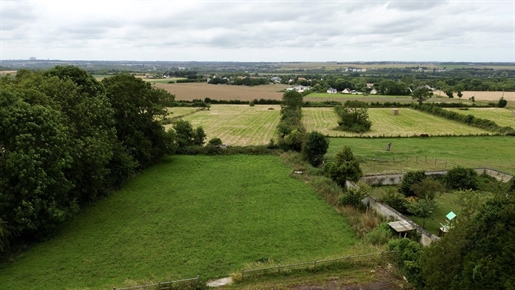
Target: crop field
x,y
502,117
190,91
238,125
492,96
430,153
187,216
408,123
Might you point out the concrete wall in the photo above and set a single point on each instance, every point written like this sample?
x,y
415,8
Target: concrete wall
x,y
426,237
396,178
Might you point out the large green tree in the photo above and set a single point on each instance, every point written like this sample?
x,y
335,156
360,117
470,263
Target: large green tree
x,y
138,109
421,94
345,167
34,191
353,117
477,253
90,120
314,148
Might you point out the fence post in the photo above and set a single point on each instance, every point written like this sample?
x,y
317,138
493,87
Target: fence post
x,y
279,268
435,161
315,264
242,272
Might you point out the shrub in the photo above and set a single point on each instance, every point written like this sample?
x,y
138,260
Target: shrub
x,y
345,168
462,178
315,148
354,196
407,258
427,188
380,235
395,200
502,103
215,142
409,179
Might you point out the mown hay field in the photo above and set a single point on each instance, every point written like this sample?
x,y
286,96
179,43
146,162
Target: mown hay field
x,y
238,125
408,123
190,91
502,117
187,216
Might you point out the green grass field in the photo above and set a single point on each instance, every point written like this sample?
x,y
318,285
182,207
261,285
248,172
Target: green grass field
x,y
497,152
502,117
188,216
408,123
238,125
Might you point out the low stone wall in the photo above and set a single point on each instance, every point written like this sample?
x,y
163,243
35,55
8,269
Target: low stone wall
x,y
426,238
499,175
396,178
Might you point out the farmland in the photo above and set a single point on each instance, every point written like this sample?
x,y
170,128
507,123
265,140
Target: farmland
x,y
429,153
501,117
186,216
238,125
482,95
190,91
408,123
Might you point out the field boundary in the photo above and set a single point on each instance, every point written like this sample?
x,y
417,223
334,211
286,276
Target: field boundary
x,y
178,284
312,265
426,238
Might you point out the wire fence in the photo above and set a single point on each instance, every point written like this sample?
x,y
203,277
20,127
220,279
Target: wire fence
x,y
315,264
192,283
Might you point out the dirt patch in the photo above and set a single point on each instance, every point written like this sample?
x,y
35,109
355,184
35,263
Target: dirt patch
x,y
190,91
386,280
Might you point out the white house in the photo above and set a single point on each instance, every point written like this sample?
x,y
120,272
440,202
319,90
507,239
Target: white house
x,y
332,91
373,92
347,91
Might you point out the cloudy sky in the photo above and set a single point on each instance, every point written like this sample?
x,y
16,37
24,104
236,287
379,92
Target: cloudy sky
x,y
259,30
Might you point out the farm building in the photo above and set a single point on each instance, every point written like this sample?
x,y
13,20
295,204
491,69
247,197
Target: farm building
x,y
332,91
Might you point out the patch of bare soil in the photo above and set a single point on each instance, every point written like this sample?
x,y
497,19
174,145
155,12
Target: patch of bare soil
x,y
190,91
386,280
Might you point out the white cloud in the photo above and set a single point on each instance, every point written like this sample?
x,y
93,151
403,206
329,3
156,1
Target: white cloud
x,y
259,30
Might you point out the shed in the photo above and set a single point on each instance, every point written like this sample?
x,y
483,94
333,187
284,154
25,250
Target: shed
x,y
401,227
395,111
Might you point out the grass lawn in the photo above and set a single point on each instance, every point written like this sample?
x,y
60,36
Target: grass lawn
x,y
354,96
445,203
238,125
502,117
187,216
497,152
408,123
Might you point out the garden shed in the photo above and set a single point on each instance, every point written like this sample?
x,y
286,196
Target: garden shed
x,y
401,227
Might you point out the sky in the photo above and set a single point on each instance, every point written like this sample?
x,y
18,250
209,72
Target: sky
x,y
258,30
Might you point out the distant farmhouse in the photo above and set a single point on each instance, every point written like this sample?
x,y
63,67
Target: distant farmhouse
x,y
299,89
332,91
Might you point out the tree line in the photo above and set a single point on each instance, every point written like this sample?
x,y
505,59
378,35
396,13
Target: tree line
x,y
67,140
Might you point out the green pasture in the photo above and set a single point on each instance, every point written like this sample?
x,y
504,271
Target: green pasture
x,y
187,216
409,122
432,153
354,96
238,125
502,117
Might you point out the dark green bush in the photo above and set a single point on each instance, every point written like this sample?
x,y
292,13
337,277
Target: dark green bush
x,y
462,178
407,258
396,200
409,179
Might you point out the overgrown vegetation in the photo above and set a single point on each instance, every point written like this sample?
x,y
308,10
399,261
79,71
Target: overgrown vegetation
x,y
353,117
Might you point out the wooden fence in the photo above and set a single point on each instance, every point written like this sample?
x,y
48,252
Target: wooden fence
x,y
313,265
192,283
